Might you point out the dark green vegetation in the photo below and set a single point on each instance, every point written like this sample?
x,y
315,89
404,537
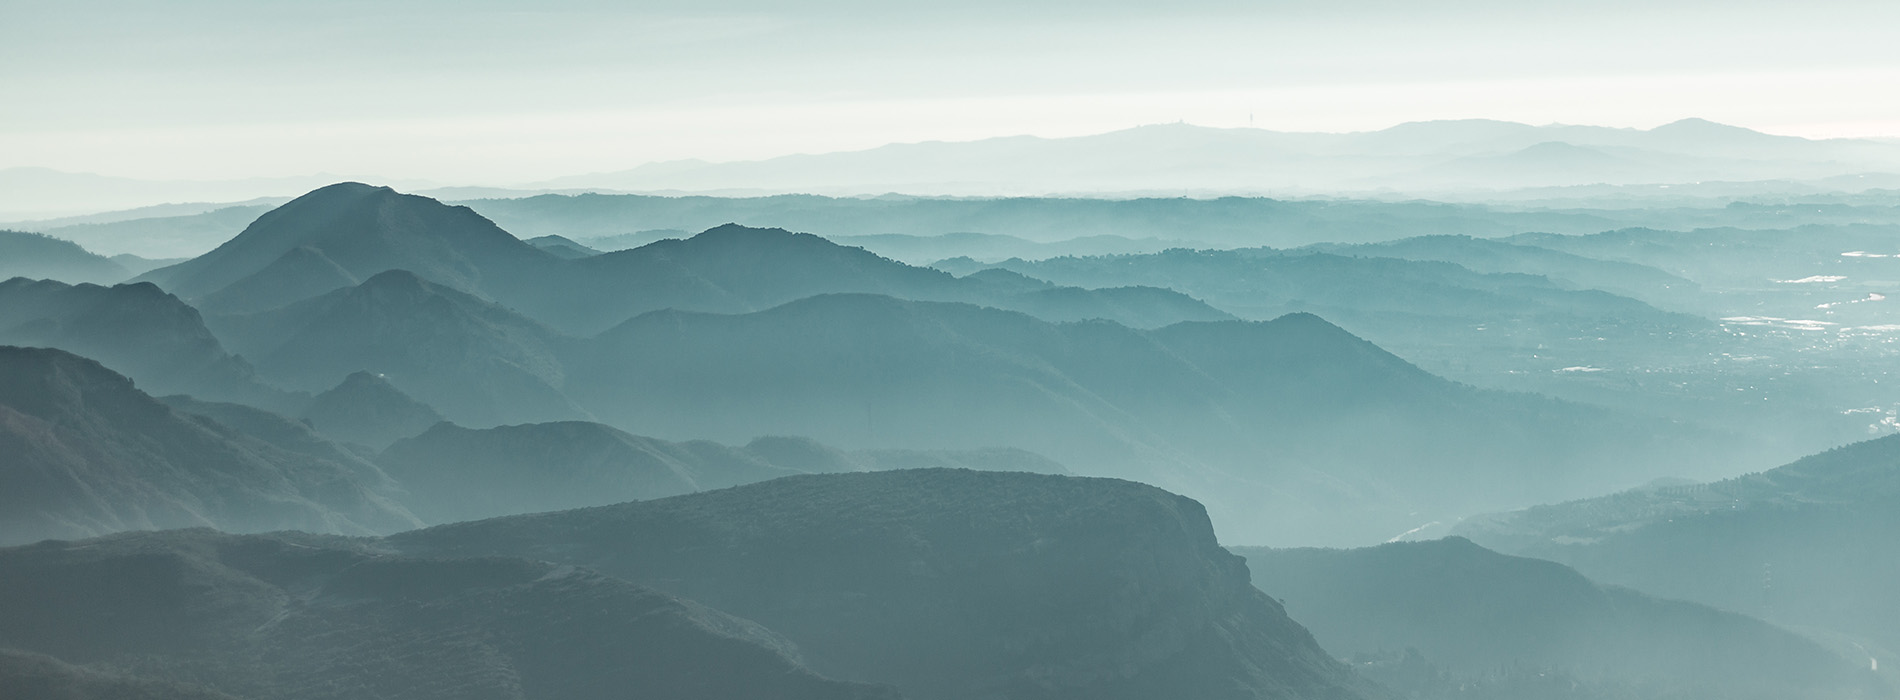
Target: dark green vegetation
x,y
1808,545
298,616
1470,614
951,583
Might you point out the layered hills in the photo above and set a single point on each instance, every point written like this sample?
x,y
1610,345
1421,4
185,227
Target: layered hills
x,y
44,257
346,234
87,453
1474,615
1265,421
1799,545
951,583
138,330
472,360
740,332
451,473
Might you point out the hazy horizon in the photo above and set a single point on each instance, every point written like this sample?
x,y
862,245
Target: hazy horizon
x,y
464,94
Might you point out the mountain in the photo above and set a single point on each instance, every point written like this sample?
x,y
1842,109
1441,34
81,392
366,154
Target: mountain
x,y
298,616
734,268
475,362
136,329
454,473
44,257
1470,612
1503,329
989,247
290,435
1220,222
44,192
563,247
339,236
1790,545
90,454
451,473
367,410
1265,421
156,234
952,584
1413,159
1487,256
361,231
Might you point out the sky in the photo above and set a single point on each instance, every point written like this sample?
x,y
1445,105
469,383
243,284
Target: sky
x,y
508,93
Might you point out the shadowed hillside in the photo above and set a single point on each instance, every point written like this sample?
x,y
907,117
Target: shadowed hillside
x,y
952,584
1471,612
86,454
297,616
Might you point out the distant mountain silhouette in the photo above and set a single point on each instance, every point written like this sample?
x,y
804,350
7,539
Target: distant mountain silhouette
x,y
341,235
563,247
1488,256
952,584
1238,414
475,362
451,473
360,231
299,617
367,410
1220,222
734,268
1803,544
136,329
44,257
1470,612
89,454
1181,158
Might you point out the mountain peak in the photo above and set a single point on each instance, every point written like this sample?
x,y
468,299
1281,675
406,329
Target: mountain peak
x,y
360,230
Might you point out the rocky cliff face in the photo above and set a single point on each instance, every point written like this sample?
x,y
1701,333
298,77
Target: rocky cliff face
x,y
952,583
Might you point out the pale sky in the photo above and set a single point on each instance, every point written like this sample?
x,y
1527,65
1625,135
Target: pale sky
x,y
481,92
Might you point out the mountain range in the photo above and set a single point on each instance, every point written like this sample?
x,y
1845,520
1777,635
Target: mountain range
x,y
951,583
1419,159
737,333
89,454
1487,620
933,583
1794,545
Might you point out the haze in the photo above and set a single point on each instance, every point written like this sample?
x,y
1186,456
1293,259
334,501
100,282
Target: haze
x,y
489,93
